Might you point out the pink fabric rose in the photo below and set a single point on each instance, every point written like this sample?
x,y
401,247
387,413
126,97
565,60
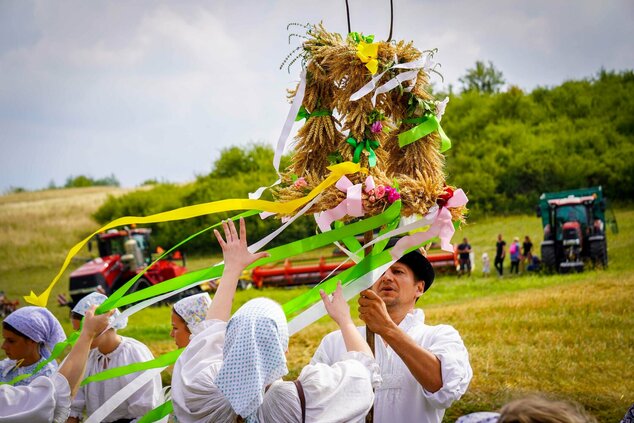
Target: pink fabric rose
x,y
379,191
300,183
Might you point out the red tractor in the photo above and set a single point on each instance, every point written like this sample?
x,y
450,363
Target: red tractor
x,y
122,255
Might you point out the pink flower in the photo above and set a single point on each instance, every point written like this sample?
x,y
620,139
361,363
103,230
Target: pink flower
x,y
300,183
372,199
379,191
376,127
392,194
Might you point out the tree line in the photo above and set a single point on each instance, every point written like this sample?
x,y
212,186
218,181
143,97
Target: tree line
x,y
508,148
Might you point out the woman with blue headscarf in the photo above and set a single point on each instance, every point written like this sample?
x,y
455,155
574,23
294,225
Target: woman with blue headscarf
x,y
232,369
29,333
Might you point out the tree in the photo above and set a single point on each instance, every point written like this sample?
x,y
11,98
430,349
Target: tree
x,y
482,79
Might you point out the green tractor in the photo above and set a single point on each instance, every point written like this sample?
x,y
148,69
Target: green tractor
x,y
574,224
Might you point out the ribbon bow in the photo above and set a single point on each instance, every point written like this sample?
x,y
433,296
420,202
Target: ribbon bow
x,y
368,53
304,114
351,206
426,124
441,226
367,145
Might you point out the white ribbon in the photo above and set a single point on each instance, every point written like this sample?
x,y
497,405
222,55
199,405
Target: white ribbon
x,y
286,130
120,396
424,63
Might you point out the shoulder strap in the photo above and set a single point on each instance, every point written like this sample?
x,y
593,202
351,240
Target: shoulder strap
x,y
302,398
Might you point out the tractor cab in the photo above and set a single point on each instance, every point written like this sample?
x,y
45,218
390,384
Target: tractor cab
x,y
123,254
573,223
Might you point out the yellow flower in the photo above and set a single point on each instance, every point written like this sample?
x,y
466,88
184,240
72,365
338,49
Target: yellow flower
x,y
368,54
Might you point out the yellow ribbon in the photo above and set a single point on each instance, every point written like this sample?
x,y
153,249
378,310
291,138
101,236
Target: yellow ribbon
x,y
368,54
337,171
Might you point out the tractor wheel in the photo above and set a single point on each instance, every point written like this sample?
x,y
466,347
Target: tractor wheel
x,y
244,284
549,257
599,251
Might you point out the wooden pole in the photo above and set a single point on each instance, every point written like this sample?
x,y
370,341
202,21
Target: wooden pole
x,y
369,335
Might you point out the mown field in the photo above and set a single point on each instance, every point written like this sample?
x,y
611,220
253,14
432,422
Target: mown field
x,y
567,336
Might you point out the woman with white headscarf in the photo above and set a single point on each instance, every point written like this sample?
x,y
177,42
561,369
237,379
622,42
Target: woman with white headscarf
x,y
223,374
29,333
186,316
111,350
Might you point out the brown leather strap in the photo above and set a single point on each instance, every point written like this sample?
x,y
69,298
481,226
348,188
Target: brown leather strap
x,y
302,398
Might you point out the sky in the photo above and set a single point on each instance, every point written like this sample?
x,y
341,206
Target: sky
x,y
156,89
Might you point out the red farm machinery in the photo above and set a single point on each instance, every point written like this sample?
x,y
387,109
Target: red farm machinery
x,y
123,254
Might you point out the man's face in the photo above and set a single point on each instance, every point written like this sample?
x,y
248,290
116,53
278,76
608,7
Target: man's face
x,y
397,287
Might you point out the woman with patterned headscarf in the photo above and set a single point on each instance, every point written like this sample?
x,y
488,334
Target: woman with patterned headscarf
x,y
29,333
231,371
186,316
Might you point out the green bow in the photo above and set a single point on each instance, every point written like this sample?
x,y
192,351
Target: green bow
x,y
426,125
303,113
367,145
358,37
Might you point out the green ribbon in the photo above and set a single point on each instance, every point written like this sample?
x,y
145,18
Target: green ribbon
x,y
425,125
161,361
304,114
158,413
358,37
367,145
276,254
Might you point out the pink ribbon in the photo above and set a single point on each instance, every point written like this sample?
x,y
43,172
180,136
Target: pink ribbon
x,y
442,227
352,205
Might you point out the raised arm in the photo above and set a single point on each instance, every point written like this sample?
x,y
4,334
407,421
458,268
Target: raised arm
x,y
422,363
75,364
339,310
237,257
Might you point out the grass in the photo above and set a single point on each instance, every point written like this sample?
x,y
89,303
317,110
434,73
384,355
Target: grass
x,y
567,336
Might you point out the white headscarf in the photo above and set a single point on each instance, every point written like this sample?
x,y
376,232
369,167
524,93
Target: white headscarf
x,y
193,310
96,298
254,355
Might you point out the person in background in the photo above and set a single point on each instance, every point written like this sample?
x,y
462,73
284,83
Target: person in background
x,y
533,409
464,251
514,251
29,333
110,350
527,253
500,253
186,316
47,399
231,371
486,265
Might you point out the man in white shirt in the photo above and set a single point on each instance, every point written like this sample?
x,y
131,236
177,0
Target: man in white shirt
x,y
424,368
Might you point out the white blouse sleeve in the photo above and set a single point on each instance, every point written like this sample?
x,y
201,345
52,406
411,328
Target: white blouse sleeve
x,y
455,368
338,393
43,400
195,396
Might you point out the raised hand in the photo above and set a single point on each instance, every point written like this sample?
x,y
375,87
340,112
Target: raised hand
x,y
373,312
337,307
234,246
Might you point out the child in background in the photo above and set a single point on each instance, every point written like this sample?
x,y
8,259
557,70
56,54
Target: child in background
x,y
29,333
186,315
486,265
111,350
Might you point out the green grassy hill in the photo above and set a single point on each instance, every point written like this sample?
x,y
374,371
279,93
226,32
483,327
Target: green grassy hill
x,y
567,336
